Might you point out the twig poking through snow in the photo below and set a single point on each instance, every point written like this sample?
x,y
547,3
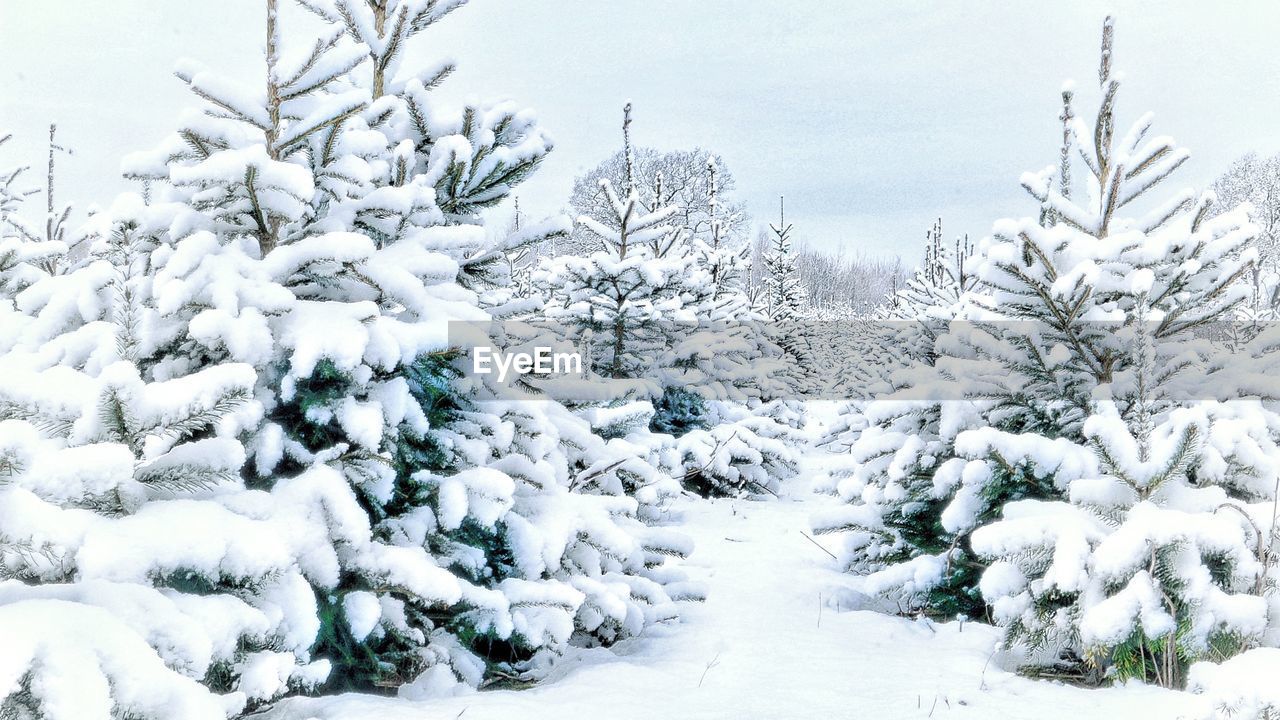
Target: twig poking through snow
x,y
982,679
714,662
815,542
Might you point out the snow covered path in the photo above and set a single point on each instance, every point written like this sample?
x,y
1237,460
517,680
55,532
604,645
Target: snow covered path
x,y
771,642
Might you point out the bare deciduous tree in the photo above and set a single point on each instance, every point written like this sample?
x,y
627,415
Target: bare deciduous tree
x,y
1256,180
678,177
842,285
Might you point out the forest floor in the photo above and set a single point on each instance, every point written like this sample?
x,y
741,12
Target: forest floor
x,y
772,641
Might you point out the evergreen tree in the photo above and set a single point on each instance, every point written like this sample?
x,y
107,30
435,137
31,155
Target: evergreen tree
x,y
785,296
785,305
15,255
1037,352
1155,559
938,284
127,524
324,229
665,319
30,250
630,290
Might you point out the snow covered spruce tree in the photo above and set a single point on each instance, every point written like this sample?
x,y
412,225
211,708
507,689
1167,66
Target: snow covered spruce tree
x,y
621,305
631,290
938,284
1157,555
785,304
1026,409
784,294
134,566
324,227
665,321
753,413
14,250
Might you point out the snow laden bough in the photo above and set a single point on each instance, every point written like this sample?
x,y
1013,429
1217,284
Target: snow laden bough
x,y
133,567
1240,688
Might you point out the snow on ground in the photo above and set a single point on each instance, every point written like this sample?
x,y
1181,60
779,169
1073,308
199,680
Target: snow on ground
x,y
772,642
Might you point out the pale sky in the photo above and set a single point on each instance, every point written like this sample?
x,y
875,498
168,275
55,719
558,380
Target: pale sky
x,y
871,118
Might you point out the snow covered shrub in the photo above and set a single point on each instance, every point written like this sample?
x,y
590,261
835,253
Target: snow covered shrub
x,y
897,467
123,507
126,535
748,453
1061,402
906,529
1241,688
1153,561
1165,564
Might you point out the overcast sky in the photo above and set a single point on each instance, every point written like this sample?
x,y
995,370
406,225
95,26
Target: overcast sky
x,y
871,118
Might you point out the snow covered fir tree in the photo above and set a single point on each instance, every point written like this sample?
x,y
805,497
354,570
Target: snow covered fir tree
x,y
357,395
316,238
1055,465
673,340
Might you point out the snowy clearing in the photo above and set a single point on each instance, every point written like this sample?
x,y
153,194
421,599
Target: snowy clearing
x,y
771,642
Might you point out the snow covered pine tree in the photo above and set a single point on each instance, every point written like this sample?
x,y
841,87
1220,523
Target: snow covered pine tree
x,y
1155,555
665,319
938,284
752,410
132,563
784,295
307,241
1071,482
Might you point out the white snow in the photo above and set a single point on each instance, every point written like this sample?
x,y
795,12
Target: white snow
x,y
774,639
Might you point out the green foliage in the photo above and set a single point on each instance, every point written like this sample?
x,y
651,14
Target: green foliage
x,y
478,554
307,417
678,411
499,560
221,677
1166,658
189,582
382,662
498,653
914,527
431,382
356,665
